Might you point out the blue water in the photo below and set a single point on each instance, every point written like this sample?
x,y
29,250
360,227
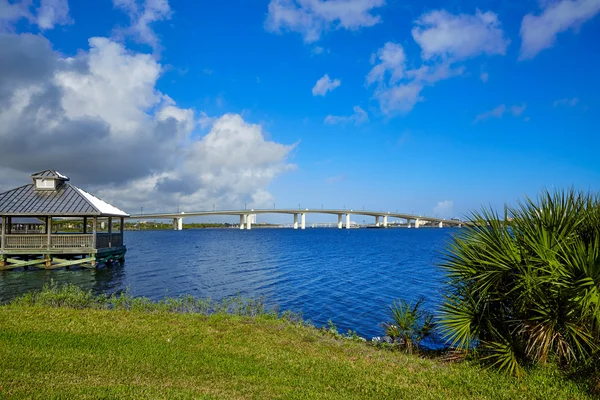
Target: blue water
x,y
348,276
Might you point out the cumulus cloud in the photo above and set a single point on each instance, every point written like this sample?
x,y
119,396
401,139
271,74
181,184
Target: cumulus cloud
x,y
46,16
390,59
99,118
499,112
567,102
53,12
311,18
445,35
142,14
444,209
538,32
358,117
446,41
324,85
484,77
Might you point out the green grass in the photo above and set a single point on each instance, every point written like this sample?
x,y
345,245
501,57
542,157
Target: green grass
x,y
69,352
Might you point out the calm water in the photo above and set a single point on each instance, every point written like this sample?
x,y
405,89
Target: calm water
x,y
348,276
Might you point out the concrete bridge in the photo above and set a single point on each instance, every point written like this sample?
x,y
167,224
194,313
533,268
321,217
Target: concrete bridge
x,y
247,216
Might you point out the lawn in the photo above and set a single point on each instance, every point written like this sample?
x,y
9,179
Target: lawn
x,y
59,352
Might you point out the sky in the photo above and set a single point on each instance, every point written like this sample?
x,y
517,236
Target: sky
x,y
426,107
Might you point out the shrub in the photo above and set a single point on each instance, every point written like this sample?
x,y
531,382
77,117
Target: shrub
x,y
525,286
410,324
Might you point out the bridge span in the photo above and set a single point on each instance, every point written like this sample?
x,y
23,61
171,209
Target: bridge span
x,y
246,217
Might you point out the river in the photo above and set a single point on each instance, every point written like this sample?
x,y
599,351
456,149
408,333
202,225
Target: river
x,y
348,276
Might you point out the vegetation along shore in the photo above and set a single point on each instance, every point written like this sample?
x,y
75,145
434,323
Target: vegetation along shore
x,y
63,342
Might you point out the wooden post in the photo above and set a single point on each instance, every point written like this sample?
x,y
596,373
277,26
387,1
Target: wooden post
x,y
3,232
84,225
94,231
49,229
109,231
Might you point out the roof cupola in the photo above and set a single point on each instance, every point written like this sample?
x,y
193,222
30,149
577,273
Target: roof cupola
x,y
48,179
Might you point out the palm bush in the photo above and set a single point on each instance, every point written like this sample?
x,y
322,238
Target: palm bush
x,y
525,286
410,323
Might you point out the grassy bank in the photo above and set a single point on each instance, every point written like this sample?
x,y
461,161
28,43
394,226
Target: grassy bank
x,y
138,352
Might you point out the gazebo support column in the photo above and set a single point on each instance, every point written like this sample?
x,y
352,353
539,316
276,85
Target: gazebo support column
x,y
95,233
109,232
47,257
49,231
122,259
2,261
3,221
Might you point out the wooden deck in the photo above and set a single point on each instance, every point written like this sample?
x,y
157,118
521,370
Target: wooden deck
x,y
60,250
59,243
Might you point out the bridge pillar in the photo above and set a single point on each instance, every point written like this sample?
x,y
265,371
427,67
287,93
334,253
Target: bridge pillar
x,y
460,225
385,221
347,221
303,221
377,220
441,225
174,224
417,222
242,221
179,224
408,222
248,222
339,221
295,221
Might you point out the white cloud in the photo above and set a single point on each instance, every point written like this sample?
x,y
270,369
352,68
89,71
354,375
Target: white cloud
x,y
143,13
401,98
358,117
446,41
538,32
99,118
568,102
484,77
46,16
444,209
499,112
389,59
318,50
311,18
52,12
458,37
324,85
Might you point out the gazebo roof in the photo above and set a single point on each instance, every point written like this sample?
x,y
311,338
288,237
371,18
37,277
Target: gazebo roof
x,y
50,173
66,200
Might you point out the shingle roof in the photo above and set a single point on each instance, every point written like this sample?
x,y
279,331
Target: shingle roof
x,y
50,173
67,200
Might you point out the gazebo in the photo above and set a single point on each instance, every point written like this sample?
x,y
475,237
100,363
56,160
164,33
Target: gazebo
x,y
75,227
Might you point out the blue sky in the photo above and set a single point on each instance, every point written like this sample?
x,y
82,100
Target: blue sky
x,y
433,107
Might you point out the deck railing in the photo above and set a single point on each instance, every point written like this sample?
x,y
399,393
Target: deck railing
x,y
108,240
17,242
62,241
71,241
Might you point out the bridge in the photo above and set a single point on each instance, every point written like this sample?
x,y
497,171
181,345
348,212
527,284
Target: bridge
x,y
247,216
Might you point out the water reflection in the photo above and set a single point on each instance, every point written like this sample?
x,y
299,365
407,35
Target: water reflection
x,y
100,280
